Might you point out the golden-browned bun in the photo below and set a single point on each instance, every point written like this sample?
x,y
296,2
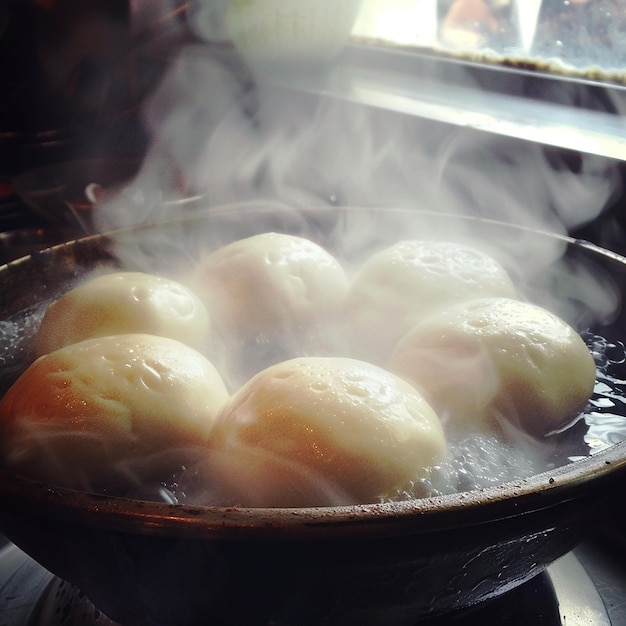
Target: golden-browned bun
x,y
82,414
270,283
497,362
123,302
398,286
317,431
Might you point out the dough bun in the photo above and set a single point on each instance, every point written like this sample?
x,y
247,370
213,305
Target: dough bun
x,y
494,361
270,283
324,431
123,302
402,284
76,415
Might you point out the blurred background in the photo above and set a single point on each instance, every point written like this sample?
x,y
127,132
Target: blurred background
x,y
87,87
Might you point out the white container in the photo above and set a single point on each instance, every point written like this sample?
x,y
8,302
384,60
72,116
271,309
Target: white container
x,y
290,32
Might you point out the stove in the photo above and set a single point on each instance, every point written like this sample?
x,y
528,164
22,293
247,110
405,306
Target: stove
x,y
585,587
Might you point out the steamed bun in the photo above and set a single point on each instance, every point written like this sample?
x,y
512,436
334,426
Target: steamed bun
x,y
497,362
401,284
79,415
123,302
323,431
270,283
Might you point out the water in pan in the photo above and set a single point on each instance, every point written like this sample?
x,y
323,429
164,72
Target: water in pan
x,y
604,417
15,340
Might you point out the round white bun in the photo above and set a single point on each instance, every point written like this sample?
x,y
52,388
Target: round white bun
x,y
270,283
398,286
81,414
316,431
123,302
498,363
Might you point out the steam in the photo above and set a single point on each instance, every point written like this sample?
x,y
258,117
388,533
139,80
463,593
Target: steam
x,y
228,137
240,478
222,135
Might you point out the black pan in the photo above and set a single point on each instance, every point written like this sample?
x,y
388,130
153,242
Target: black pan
x,y
150,563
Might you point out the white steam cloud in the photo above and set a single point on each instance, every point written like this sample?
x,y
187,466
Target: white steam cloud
x,y
221,137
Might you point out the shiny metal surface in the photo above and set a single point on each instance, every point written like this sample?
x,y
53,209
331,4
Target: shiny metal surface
x,y
579,601
418,85
21,583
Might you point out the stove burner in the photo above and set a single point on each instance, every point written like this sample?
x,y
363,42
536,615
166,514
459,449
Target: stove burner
x,y
564,595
